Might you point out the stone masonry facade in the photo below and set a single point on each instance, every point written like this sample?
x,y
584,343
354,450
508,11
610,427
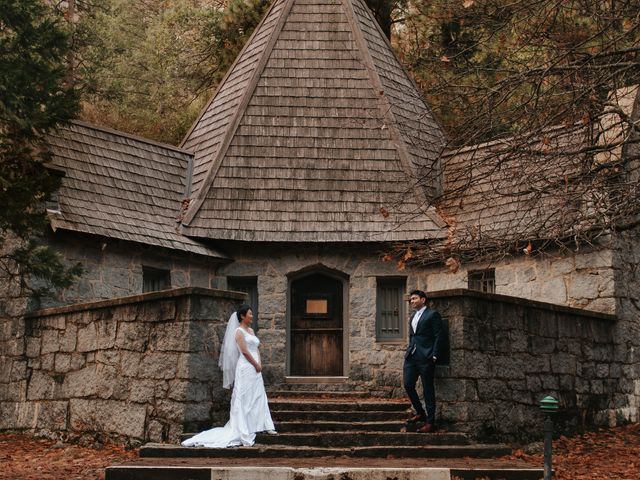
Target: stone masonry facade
x,y
126,367
584,280
627,333
113,268
134,369
592,382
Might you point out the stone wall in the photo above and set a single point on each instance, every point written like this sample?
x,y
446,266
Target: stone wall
x,y
584,279
508,353
113,268
627,334
141,368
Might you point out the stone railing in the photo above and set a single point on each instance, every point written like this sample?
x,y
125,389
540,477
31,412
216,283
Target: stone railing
x,y
508,353
139,368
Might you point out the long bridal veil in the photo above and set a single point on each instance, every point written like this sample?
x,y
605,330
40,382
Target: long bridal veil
x,y
229,352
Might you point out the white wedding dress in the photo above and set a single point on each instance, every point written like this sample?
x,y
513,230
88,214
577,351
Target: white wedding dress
x,y
249,407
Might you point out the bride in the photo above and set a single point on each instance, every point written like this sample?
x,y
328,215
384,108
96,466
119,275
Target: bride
x,y
240,364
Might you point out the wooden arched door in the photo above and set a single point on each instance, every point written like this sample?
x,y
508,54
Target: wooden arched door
x,y
316,326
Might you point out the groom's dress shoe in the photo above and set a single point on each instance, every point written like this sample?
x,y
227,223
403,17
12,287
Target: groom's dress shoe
x,y
427,428
417,418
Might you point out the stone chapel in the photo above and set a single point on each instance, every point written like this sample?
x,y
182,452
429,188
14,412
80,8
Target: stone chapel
x,y
315,153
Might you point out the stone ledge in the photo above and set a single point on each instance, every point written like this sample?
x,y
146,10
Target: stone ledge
x,y
494,297
293,379
143,297
139,472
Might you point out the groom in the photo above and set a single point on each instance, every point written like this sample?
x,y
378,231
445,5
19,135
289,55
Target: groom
x,y
425,345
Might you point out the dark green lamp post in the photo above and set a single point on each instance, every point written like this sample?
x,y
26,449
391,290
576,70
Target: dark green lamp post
x,y
549,406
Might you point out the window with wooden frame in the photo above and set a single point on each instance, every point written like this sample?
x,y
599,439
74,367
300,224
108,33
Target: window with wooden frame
x,y
155,279
482,280
390,308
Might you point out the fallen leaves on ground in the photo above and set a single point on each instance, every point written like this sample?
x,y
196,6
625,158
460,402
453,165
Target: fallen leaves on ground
x,y
607,454
24,457
612,453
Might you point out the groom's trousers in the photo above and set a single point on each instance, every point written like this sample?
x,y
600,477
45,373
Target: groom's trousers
x,y
426,371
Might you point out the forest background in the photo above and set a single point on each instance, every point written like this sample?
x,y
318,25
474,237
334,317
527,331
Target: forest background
x,y
486,67
531,74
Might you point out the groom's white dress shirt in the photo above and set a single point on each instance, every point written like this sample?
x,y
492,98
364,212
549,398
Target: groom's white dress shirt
x,y
416,317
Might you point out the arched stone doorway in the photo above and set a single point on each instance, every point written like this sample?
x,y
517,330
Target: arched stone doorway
x,y
316,321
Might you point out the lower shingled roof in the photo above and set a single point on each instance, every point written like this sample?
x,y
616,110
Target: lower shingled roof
x,y
123,187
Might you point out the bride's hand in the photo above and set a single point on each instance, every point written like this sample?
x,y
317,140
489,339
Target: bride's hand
x,y
258,368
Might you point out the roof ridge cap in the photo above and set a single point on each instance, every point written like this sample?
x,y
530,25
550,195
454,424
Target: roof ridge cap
x,y
204,109
406,72
385,105
242,105
387,114
131,136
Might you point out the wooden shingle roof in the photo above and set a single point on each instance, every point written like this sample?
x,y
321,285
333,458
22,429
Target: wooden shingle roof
x,y
119,186
512,190
316,134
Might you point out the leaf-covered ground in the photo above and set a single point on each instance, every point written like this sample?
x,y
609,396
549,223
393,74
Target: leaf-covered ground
x,y
605,454
23,457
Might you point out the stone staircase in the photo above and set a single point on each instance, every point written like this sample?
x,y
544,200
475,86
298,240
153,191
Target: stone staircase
x,y
316,425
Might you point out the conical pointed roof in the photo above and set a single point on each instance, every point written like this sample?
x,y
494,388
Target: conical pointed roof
x,y
316,134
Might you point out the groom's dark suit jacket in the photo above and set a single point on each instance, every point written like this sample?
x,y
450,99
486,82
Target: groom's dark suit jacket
x,y
428,339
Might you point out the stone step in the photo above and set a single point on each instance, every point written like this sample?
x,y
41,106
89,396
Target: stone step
x,y
321,385
159,450
362,439
317,394
171,472
339,415
357,439
134,472
331,404
496,473
329,426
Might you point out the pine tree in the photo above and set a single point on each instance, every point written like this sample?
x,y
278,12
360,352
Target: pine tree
x,y
34,99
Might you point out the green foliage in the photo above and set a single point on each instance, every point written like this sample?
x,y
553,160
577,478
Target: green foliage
x,y
239,20
151,66
487,67
34,98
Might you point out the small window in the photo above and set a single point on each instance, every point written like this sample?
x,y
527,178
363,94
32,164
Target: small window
x,y
390,309
52,204
483,280
154,279
248,285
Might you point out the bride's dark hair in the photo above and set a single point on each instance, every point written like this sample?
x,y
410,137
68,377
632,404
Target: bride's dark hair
x,y
242,311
